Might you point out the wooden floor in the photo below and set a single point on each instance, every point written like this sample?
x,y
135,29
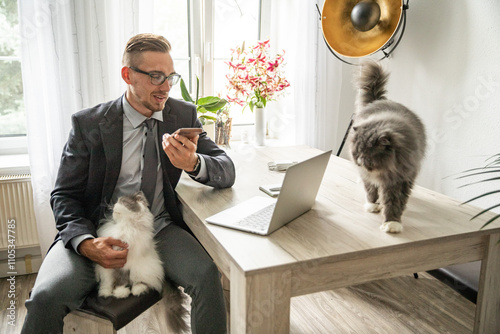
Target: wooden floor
x,y
399,305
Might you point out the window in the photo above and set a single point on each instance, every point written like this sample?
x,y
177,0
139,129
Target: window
x,y
235,22
171,19
12,113
202,33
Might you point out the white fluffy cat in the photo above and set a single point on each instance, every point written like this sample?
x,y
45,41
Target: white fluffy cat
x,y
132,223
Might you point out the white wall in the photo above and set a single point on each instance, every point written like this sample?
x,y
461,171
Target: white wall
x,y
447,70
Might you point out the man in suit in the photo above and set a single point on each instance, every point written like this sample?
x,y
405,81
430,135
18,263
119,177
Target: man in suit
x,y
102,160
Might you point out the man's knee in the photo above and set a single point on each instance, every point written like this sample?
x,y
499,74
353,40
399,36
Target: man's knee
x,y
207,275
48,297
43,299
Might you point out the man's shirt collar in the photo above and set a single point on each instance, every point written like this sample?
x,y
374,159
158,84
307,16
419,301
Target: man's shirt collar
x,y
135,117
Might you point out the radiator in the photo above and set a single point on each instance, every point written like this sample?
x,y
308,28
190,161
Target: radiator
x,y
16,211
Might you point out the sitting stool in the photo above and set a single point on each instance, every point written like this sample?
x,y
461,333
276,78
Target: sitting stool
x,y
108,315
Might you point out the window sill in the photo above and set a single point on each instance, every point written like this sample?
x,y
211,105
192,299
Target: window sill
x,y
14,164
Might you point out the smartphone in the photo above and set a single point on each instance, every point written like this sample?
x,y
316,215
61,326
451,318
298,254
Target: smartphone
x,y
272,190
188,132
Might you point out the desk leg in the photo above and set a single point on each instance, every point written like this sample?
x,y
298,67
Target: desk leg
x,y
260,303
227,298
488,299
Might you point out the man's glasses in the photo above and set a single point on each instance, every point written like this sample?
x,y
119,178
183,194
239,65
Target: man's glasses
x,y
158,78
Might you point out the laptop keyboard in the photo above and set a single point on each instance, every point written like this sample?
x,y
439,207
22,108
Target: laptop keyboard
x,y
259,220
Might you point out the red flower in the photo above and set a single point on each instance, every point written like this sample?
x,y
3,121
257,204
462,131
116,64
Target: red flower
x,y
254,76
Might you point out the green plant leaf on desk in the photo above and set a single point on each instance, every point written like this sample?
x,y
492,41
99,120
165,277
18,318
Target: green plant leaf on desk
x,y
204,118
492,167
204,105
211,103
185,93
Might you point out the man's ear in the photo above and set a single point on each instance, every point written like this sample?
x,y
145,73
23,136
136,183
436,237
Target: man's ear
x,y
126,74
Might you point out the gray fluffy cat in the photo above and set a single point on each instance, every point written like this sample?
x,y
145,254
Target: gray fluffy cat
x,y
387,143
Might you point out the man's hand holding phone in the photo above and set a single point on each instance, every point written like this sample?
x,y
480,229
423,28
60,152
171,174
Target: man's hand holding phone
x,y
180,147
189,133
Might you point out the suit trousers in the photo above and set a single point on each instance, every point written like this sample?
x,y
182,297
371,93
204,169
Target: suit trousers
x,y
65,278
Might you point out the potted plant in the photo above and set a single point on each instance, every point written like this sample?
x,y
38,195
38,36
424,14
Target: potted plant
x,y
206,107
492,173
255,78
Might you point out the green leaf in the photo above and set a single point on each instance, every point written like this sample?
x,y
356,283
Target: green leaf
x,y
208,100
481,181
482,171
214,107
206,117
495,161
483,195
201,110
212,103
185,93
197,89
492,167
485,210
490,221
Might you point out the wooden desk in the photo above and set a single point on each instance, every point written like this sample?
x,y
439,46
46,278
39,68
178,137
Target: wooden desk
x,y
336,244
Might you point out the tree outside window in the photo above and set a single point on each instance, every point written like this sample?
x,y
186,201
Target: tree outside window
x,y
12,113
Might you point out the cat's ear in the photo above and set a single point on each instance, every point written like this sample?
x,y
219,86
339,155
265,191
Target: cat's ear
x,y
139,196
384,140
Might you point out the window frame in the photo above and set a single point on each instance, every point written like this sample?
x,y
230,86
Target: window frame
x,y
13,145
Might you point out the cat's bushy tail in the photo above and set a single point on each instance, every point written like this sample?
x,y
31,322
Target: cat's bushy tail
x,y
371,81
177,314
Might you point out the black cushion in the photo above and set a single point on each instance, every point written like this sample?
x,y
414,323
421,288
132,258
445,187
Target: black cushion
x,y
119,311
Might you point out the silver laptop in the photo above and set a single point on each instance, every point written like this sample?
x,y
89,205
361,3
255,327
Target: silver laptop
x,y
264,215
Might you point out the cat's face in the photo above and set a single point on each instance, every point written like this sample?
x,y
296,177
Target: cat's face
x,y
372,150
130,205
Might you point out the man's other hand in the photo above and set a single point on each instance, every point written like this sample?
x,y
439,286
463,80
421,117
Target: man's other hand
x,y
105,251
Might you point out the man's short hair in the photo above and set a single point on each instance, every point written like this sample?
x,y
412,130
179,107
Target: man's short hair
x,y
141,43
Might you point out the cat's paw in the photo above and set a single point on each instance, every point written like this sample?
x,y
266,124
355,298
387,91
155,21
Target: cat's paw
x,y
105,292
372,207
391,227
139,288
121,292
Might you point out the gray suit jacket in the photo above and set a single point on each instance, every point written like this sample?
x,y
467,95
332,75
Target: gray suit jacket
x,y
91,160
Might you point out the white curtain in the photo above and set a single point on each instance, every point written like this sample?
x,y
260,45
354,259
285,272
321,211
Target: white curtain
x,y
309,113
71,52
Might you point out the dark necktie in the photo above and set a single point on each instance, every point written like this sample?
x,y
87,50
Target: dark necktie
x,y
149,171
